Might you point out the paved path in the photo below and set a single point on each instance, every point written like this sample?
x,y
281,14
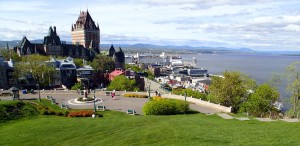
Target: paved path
x,y
153,86
119,104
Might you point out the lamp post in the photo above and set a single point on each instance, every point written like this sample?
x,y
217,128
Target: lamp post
x,y
15,91
185,97
185,102
149,88
38,87
94,101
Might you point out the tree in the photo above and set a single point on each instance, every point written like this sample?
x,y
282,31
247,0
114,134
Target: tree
x,y
133,67
121,83
35,66
231,90
293,74
261,101
103,63
9,54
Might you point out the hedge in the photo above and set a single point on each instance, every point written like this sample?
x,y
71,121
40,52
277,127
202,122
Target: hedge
x,y
135,95
165,107
12,110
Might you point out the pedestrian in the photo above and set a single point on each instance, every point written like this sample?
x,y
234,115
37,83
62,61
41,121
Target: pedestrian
x,y
159,94
156,92
112,95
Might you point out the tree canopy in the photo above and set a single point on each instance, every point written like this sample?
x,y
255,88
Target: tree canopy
x,y
103,63
261,101
231,90
9,54
133,67
121,83
36,66
293,74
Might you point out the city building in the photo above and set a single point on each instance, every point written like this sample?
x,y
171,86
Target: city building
x,y
3,77
85,32
52,46
118,57
85,41
65,75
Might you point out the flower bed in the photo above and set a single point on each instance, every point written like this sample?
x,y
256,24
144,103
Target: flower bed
x,y
85,99
135,95
81,114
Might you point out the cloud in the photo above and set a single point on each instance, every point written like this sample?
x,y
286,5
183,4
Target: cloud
x,y
204,4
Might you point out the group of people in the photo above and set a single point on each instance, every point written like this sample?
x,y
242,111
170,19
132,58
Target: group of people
x,y
157,93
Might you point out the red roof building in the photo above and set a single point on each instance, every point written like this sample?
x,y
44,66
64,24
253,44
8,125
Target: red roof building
x,y
116,73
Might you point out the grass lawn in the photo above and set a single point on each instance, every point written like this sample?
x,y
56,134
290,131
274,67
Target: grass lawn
x,y
120,129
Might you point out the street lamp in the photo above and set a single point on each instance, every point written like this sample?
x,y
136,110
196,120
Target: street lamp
x,y
149,89
185,97
38,87
15,91
185,102
94,101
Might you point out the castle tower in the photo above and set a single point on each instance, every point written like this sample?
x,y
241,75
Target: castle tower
x,y
85,31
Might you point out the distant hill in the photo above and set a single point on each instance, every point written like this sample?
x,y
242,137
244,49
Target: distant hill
x,y
203,49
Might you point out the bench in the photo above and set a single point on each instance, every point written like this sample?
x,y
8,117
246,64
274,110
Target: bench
x,y
101,107
107,93
64,106
53,101
131,112
49,97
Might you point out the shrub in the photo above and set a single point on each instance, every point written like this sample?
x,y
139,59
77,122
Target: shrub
x,y
190,92
135,95
11,110
80,114
77,86
157,98
165,107
87,99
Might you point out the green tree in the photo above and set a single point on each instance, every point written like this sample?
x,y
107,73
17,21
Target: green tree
x,y
103,63
231,90
133,67
121,83
293,74
36,66
9,54
261,101
78,62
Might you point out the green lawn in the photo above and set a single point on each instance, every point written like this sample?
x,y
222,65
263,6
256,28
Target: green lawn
x,y
119,129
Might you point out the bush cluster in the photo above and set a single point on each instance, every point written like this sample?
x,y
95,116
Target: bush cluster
x,y
81,114
87,99
165,107
77,86
157,98
12,110
190,92
135,95
43,110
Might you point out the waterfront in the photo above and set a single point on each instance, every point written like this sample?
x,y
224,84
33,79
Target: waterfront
x,y
257,66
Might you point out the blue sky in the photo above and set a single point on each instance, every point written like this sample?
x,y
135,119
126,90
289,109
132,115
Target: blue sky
x,y
257,24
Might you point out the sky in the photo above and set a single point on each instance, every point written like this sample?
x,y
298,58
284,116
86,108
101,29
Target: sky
x,y
263,25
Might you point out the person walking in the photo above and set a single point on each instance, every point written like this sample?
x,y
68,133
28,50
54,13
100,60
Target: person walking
x,y
156,92
113,94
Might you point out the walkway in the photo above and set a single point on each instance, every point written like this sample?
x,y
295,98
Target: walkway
x,y
119,104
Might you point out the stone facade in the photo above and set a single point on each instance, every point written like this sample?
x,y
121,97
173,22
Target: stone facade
x,y
53,46
3,77
85,32
118,57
